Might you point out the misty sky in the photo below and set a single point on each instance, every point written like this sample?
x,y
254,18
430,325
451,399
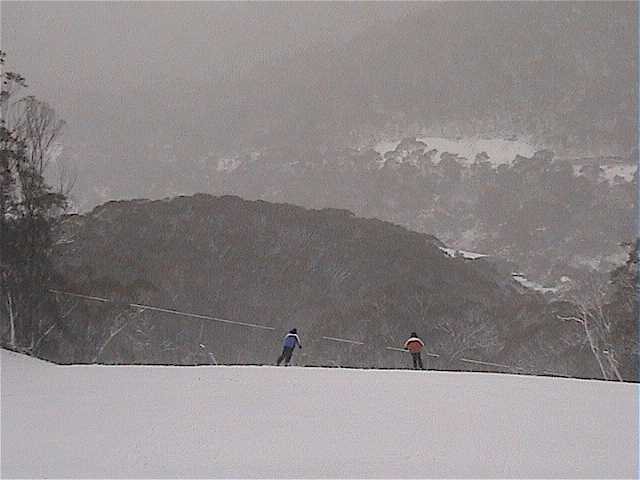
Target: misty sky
x,y
143,83
117,72
67,49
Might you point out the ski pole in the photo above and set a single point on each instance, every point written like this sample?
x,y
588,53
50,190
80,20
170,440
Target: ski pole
x,y
435,355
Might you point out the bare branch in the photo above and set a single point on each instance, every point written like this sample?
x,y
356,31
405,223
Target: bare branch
x,y
38,125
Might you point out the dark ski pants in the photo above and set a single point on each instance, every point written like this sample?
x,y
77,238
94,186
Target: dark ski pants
x,y
417,361
285,355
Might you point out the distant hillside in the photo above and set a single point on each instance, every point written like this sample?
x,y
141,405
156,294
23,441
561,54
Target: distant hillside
x,y
551,217
326,272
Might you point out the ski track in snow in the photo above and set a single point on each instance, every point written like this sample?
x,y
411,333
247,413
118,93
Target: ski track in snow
x,y
206,422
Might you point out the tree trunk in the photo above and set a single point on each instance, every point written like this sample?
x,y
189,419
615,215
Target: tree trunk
x,y
42,337
594,350
12,321
614,367
108,341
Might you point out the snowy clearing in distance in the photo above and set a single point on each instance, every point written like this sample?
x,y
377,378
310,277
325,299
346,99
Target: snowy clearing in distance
x,y
499,150
453,252
248,422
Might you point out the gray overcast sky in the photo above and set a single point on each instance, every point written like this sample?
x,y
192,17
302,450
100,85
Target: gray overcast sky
x,y
68,48
117,72
143,85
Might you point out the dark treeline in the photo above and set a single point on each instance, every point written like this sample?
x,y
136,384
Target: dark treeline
x,y
325,272
29,210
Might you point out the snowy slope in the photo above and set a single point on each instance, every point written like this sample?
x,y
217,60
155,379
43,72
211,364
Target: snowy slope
x,y
159,422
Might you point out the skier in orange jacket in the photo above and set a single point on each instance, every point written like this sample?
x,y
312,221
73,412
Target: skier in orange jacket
x,y
415,346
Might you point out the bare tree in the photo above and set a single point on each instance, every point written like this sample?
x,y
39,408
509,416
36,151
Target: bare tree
x,y
474,332
120,322
66,306
29,130
40,127
10,150
66,177
589,298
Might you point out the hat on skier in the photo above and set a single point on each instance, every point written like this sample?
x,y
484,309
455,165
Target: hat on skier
x,y
294,330
414,334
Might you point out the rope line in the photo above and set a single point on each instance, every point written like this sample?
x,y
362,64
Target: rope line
x,y
428,354
87,297
396,349
166,310
478,362
265,327
343,340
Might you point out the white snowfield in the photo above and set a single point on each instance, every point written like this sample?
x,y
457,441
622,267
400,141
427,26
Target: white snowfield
x,y
249,422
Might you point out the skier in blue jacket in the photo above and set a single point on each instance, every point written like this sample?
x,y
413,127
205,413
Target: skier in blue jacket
x,y
290,342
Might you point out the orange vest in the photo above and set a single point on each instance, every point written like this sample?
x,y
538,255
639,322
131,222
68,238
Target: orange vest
x,y
414,344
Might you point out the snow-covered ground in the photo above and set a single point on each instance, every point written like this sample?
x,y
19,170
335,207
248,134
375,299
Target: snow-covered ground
x,y
205,422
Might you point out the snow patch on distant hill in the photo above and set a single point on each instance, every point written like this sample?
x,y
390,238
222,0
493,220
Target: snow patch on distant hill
x,y
626,172
611,169
525,282
452,252
228,164
499,150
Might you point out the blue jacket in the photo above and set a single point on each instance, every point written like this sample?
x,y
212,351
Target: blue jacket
x,y
291,340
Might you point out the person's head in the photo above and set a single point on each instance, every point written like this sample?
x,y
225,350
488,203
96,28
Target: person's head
x,y
414,334
293,330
